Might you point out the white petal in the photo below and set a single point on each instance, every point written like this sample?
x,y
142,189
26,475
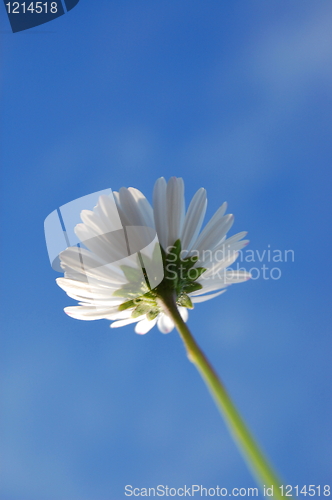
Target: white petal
x,y
108,213
70,284
160,211
124,322
83,261
175,208
72,287
232,243
212,222
93,221
215,267
222,280
214,235
165,324
236,237
136,207
129,207
237,276
124,219
145,326
212,258
184,313
203,298
194,219
89,313
146,211
75,275
108,246
95,301
121,315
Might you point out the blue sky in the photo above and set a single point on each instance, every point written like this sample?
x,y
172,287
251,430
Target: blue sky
x,y
232,96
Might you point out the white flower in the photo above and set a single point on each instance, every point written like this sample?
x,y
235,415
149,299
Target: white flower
x,y
195,263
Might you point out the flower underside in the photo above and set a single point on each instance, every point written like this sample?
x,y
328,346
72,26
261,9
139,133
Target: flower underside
x,y
187,262
180,277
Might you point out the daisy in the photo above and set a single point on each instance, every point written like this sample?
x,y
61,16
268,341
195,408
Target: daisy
x,y
195,263
149,265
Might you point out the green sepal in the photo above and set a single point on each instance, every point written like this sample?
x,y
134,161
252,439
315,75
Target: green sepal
x,y
171,276
148,299
121,292
185,301
128,305
131,290
192,287
152,314
132,275
150,295
140,310
189,261
174,252
195,272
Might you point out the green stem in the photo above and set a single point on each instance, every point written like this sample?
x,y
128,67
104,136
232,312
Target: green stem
x,y
246,443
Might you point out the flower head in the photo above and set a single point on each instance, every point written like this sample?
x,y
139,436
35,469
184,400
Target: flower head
x,y
195,263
